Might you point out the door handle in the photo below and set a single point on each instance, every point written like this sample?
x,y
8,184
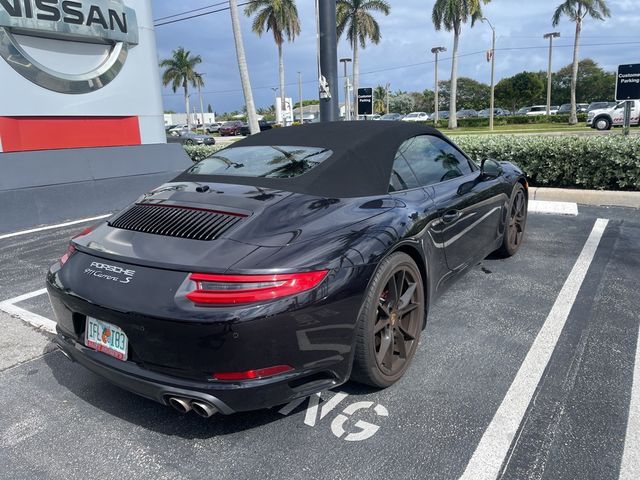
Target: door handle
x,y
450,216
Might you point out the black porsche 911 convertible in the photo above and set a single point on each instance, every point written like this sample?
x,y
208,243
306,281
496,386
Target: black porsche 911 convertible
x,y
286,264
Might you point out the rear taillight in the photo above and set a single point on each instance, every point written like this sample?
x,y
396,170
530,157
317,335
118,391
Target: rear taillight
x,y
237,289
252,374
71,248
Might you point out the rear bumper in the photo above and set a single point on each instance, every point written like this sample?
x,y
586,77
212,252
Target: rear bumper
x,y
227,398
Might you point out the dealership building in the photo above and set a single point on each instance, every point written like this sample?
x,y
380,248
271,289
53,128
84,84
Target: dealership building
x,y
81,121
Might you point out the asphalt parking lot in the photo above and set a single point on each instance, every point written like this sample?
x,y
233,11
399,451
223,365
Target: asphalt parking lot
x,y
525,371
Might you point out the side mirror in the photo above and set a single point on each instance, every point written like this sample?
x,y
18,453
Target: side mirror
x,y
490,168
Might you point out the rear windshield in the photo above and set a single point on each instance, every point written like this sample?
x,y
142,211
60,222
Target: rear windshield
x,y
262,161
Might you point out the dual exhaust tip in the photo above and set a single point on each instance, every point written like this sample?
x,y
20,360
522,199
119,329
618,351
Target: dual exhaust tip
x,y
185,405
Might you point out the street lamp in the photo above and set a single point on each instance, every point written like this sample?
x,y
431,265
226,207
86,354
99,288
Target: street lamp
x,y
550,36
347,102
436,51
493,68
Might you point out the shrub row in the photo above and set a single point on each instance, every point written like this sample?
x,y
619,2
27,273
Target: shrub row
x,y
601,163
514,120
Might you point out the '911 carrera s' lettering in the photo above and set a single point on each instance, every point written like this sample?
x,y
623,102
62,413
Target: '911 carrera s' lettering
x,y
93,271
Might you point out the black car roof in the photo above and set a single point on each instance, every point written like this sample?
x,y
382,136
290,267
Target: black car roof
x,y
363,156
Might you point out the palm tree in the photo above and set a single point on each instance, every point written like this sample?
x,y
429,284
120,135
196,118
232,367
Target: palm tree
x,y
576,11
379,100
354,17
281,17
179,71
244,70
451,14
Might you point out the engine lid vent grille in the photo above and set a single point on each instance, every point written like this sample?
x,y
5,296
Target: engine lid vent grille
x,y
173,221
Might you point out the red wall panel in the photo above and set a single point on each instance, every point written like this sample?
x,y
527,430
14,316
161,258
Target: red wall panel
x,y
47,133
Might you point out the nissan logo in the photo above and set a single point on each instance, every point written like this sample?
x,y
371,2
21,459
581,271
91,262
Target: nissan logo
x,y
104,22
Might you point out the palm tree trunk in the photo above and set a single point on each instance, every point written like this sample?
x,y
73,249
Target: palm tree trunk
x,y
283,96
244,70
356,77
573,118
453,93
185,85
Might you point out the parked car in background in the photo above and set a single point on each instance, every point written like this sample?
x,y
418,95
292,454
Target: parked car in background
x,y
600,105
442,115
230,128
263,124
523,111
541,110
177,129
466,113
392,116
190,138
497,112
565,108
606,118
416,117
213,127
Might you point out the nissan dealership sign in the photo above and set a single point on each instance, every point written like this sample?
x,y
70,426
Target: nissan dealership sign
x,y
89,66
99,21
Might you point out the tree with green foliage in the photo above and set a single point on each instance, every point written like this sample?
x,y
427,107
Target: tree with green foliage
x,y
180,71
577,11
523,89
401,102
281,17
450,15
471,94
209,108
592,84
355,18
380,100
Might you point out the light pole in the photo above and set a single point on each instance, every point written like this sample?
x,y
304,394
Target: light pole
x,y
275,105
493,69
386,89
300,97
436,51
347,102
550,36
200,84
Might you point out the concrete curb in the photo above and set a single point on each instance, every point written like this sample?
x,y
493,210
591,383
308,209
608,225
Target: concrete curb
x,y
587,197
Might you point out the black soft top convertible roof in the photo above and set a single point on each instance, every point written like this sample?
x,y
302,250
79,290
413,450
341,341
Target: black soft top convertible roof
x,y
363,155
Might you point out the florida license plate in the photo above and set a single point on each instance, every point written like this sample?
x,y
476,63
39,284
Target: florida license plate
x,y
106,337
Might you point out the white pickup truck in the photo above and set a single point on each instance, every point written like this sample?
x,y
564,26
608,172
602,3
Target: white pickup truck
x,y
605,118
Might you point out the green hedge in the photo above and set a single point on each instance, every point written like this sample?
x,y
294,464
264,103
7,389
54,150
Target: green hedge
x,y
594,162
514,120
200,152
590,162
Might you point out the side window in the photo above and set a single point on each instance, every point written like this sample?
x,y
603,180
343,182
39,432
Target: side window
x,y
434,160
402,178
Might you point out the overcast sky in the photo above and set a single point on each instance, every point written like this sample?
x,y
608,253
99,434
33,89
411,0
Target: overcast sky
x,y
403,56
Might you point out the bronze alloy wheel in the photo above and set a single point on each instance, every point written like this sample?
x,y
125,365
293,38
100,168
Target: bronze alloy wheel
x,y
390,322
516,222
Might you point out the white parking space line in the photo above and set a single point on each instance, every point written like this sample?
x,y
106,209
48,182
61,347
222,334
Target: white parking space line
x,y
9,306
630,466
489,456
553,208
52,227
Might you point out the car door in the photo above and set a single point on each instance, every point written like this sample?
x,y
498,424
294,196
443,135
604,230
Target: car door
x,y
469,207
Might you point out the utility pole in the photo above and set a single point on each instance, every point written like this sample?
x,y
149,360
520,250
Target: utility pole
x,y
550,36
200,83
436,51
300,97
328,46
386,89
493,69
347,101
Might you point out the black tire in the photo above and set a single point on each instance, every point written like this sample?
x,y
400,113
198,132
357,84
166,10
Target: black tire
x,y
513,235
188,142
602,123
386,338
